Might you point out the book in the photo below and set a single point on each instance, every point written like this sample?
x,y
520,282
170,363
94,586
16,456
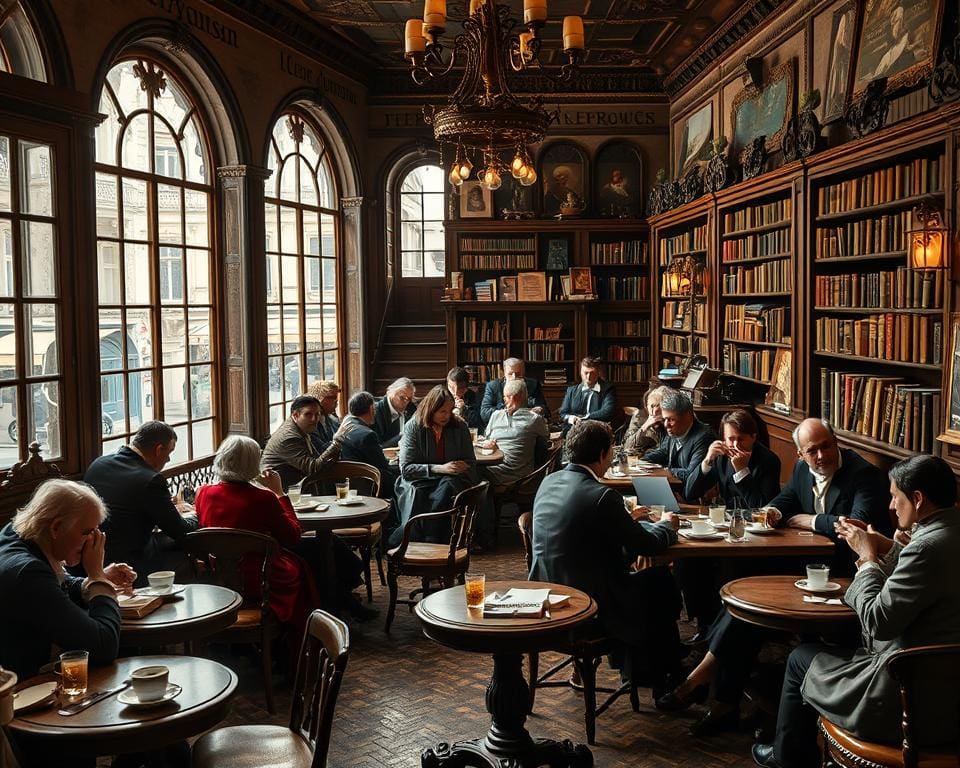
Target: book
x,y
532,286
508,288
518,603
138,606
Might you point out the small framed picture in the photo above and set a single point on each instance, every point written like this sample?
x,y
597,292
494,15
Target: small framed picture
x,y
508,288
475,201
558,254
838,68
581,281
951,432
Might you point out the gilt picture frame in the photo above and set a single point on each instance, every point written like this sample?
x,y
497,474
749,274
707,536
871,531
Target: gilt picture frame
x,y
764,111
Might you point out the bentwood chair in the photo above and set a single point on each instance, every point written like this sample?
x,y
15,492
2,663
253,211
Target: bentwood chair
x,y
523,491
216,555
445,563
930,672
305,741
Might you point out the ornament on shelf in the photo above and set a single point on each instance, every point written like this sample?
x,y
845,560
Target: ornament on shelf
x,y
802,137
719,174
944,82
753,157
869,112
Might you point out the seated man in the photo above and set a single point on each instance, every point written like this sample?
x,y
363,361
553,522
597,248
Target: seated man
x,y
513,368
584,537
905,595
465,400
520,433
360,443
593,398
745,473
138,501
394,410
328,393
688,439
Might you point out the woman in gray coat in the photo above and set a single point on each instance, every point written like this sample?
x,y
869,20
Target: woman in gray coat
x,y
436,463
905,593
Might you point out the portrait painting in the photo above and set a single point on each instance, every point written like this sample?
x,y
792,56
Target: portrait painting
x,y
897,40
951,433
765,111
838,68
475,201
695,139
562,175
618,181
558,254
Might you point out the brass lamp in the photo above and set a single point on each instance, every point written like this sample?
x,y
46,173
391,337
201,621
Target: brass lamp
x,y
926,244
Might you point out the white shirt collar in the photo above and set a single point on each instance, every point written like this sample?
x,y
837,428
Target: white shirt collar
x,y
821,479
594,388
395,414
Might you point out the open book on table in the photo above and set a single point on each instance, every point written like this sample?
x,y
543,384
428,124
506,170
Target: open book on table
x,y
518,603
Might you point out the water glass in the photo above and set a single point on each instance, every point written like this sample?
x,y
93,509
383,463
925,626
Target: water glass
x,y
737,527
294,491
73,672
656,511
474,434
475,586
718,514
343,489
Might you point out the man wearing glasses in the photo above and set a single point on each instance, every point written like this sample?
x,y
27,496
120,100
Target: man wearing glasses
x,y
393,411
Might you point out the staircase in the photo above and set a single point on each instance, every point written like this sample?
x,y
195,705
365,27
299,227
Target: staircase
x,y
417,351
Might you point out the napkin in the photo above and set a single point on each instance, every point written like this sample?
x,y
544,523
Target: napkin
x,y
517,604
827,600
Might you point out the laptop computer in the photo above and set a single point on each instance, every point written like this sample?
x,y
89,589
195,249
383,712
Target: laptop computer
x,y
655,490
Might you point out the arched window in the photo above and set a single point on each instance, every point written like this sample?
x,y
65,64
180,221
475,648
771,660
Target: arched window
x,y
302,249
19,50
155,261
422,249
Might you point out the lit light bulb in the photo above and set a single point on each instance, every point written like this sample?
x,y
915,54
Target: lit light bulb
x,y
454,177
518,165
491,179
529,178
465,167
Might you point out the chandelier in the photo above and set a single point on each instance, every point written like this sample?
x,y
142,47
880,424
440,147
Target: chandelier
x,y
482,117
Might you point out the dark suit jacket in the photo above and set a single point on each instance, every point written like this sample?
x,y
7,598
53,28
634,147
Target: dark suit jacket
x,y
859,490
754,490
138,499
471,411
693,448
493,397
604,405
323,435
388,431
584,537
361,444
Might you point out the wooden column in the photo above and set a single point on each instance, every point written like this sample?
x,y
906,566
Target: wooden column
x,y
351,298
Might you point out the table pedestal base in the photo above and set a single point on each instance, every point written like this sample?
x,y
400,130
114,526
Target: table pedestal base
x,y
508,743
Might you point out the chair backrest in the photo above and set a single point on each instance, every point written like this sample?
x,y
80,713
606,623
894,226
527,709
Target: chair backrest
x,y
369,476
323,660
216,555
20,481
466,506
525,523
526,487
916,670
629,411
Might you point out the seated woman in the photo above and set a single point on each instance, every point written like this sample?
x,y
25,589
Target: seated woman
x,y
436,463
646,431
235,503
42,605
905,594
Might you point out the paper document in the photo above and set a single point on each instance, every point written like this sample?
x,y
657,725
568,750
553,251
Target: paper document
x,y
521,603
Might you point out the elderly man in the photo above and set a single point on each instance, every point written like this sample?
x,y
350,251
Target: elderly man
x,y
687,441
394,410
361,443
290,450
520,433
513,369
593,398
465,403
328,393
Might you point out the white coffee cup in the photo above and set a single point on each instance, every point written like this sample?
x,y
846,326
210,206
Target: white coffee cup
x,y
161,581
352,494
718,515
150,683
630,502
657,511
701,527
818,575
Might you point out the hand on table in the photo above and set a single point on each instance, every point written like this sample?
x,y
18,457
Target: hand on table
x,y
804,522
451,468
773,516
490,444
121,576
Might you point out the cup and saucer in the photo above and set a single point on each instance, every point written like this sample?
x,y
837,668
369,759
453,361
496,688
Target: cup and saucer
x,y
830,586
702,530
150,687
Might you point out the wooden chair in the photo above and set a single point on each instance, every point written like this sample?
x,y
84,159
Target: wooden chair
x,y
914,669
215,555
365,538
523,491
21,480
444,562
305,741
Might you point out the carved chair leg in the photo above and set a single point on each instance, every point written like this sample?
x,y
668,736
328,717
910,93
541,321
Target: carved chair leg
x,y
393,587
367,574
379,555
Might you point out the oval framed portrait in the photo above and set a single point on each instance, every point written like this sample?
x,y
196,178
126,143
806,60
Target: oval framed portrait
x,y
618,180
563,178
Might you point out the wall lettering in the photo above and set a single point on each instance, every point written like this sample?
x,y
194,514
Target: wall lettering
x,y
291,66
199,20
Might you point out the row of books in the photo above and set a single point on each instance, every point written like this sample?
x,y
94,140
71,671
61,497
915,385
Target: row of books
x,y
775,243
498,261
622,288
547,351
692,240
630,373
618,353
550,333
482,373
756,322
525,286
895,337
676,315
903,288
768,277
474,329
498,244
884,408
752,363
758,216
624,252
881,234
910,179
482,354
639,327
680,345
556,376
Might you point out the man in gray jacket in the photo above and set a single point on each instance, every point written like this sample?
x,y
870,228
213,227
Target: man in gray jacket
x,y
905,594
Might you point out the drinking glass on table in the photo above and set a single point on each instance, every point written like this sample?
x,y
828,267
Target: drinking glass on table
x,y
343,489
475,586
761,518
294,491
718,514
474,434
73,672
656,512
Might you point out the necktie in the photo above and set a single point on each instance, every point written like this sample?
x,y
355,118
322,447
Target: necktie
x,y
586,407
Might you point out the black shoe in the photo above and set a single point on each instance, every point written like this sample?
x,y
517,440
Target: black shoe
x,y
763,756
675,701
720,717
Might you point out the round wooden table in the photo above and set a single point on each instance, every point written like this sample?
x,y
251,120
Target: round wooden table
x,y
774,602
112,728
447,620
199,611
494,457
370,510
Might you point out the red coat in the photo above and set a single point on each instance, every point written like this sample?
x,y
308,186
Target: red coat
x,y
246,507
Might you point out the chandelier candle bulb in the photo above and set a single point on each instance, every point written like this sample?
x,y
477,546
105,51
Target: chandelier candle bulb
x,y
435,13
534,11
416,43
525,53
475,5
572,33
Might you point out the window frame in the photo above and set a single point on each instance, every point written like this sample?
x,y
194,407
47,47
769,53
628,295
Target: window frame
x,y
402,173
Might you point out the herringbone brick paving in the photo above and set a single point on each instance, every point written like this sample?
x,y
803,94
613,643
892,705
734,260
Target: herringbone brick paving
x,y
403,693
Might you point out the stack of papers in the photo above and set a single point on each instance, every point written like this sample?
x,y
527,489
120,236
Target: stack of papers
x,y
827,600
522,604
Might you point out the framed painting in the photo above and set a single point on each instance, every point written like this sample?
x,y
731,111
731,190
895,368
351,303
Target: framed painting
x,y
838,68
695,138
781,382
562,177
764,111
951,429
557,255
896,39
475,201
618,180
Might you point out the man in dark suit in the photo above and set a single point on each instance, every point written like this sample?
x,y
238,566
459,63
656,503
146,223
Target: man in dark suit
x,y
138,499
328,393
687,441
593,398
466,403
584,537
360,443
513,368
394,410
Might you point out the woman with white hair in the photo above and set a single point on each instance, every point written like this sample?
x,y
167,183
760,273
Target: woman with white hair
x,y
42,605
235,502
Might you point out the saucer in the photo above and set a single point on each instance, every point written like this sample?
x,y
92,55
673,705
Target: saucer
x,y
129,697
760,530
831,586
304,506
712,536
35,697
176,589
350,501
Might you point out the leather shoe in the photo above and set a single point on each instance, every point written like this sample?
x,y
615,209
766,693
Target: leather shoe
x,y
720,717
763,756
675,700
